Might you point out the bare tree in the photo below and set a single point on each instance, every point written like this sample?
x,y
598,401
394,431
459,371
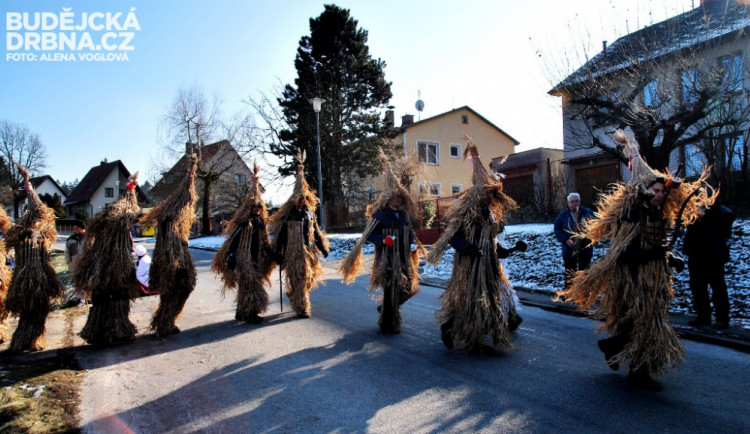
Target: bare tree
x,y
677,86
192,121
19,144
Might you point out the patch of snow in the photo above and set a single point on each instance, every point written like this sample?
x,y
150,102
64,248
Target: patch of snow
x,y
540,267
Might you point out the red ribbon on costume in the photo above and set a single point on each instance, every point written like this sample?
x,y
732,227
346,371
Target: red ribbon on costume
x,y
630,160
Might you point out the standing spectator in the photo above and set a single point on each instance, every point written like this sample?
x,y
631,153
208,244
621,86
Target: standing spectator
x,y
74,247
74,244
142,268
576,252
707,243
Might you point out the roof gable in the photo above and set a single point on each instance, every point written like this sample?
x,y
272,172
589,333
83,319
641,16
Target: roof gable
x,y
448,113
39,180
93,180
712,20
208,152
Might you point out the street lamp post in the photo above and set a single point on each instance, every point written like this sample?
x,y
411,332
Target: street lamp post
x,y
317,103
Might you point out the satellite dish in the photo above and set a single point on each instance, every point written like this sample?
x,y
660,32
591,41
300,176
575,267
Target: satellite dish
x,y
419,105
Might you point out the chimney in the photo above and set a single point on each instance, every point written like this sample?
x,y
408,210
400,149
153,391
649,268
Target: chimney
x,y
389,120
103,162
189,148
604,49
407,120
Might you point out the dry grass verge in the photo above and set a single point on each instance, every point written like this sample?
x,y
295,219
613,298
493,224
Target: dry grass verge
x,y
40,395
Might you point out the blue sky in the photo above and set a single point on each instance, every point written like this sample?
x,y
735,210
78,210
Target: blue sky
x,y
477,53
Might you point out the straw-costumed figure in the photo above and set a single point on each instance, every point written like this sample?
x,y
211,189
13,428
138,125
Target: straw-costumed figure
x,y
6,273
479,299
633,295
172,268
245,260
396,260
297,239
34,281
105,273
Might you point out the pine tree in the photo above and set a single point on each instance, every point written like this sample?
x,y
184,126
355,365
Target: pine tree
x,y
334,63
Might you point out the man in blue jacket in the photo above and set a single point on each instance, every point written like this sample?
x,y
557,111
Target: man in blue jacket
x,y
576,252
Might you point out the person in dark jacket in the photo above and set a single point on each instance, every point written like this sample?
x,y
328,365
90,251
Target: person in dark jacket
x,y
707,243
74,243
576,252
391,236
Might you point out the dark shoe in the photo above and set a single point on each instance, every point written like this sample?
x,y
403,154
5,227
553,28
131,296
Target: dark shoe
x,y
483,350
699,322
446,335
721,325
641,379
303,315
606,347
389,331
254,319
514,321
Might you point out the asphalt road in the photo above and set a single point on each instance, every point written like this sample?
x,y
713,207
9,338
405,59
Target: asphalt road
x,y
334,372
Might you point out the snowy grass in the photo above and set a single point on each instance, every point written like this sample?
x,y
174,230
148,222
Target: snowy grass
x,y
540,267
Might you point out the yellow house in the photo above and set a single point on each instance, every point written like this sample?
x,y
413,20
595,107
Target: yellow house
x,y
439,144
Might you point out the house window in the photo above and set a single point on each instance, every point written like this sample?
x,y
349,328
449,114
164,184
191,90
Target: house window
x,y
732,79
109,192
464,119
650,95
430,188
456,188
428,152
240,179
734,152
690,87
455,150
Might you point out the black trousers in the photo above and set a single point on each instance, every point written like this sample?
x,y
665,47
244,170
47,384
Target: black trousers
x,y
701,276
574,264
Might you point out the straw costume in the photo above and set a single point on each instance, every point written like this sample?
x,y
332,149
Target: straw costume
x,y
479,299
245,260
630,287
297,241
172,268
396,249
105,273
6,273
34,281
